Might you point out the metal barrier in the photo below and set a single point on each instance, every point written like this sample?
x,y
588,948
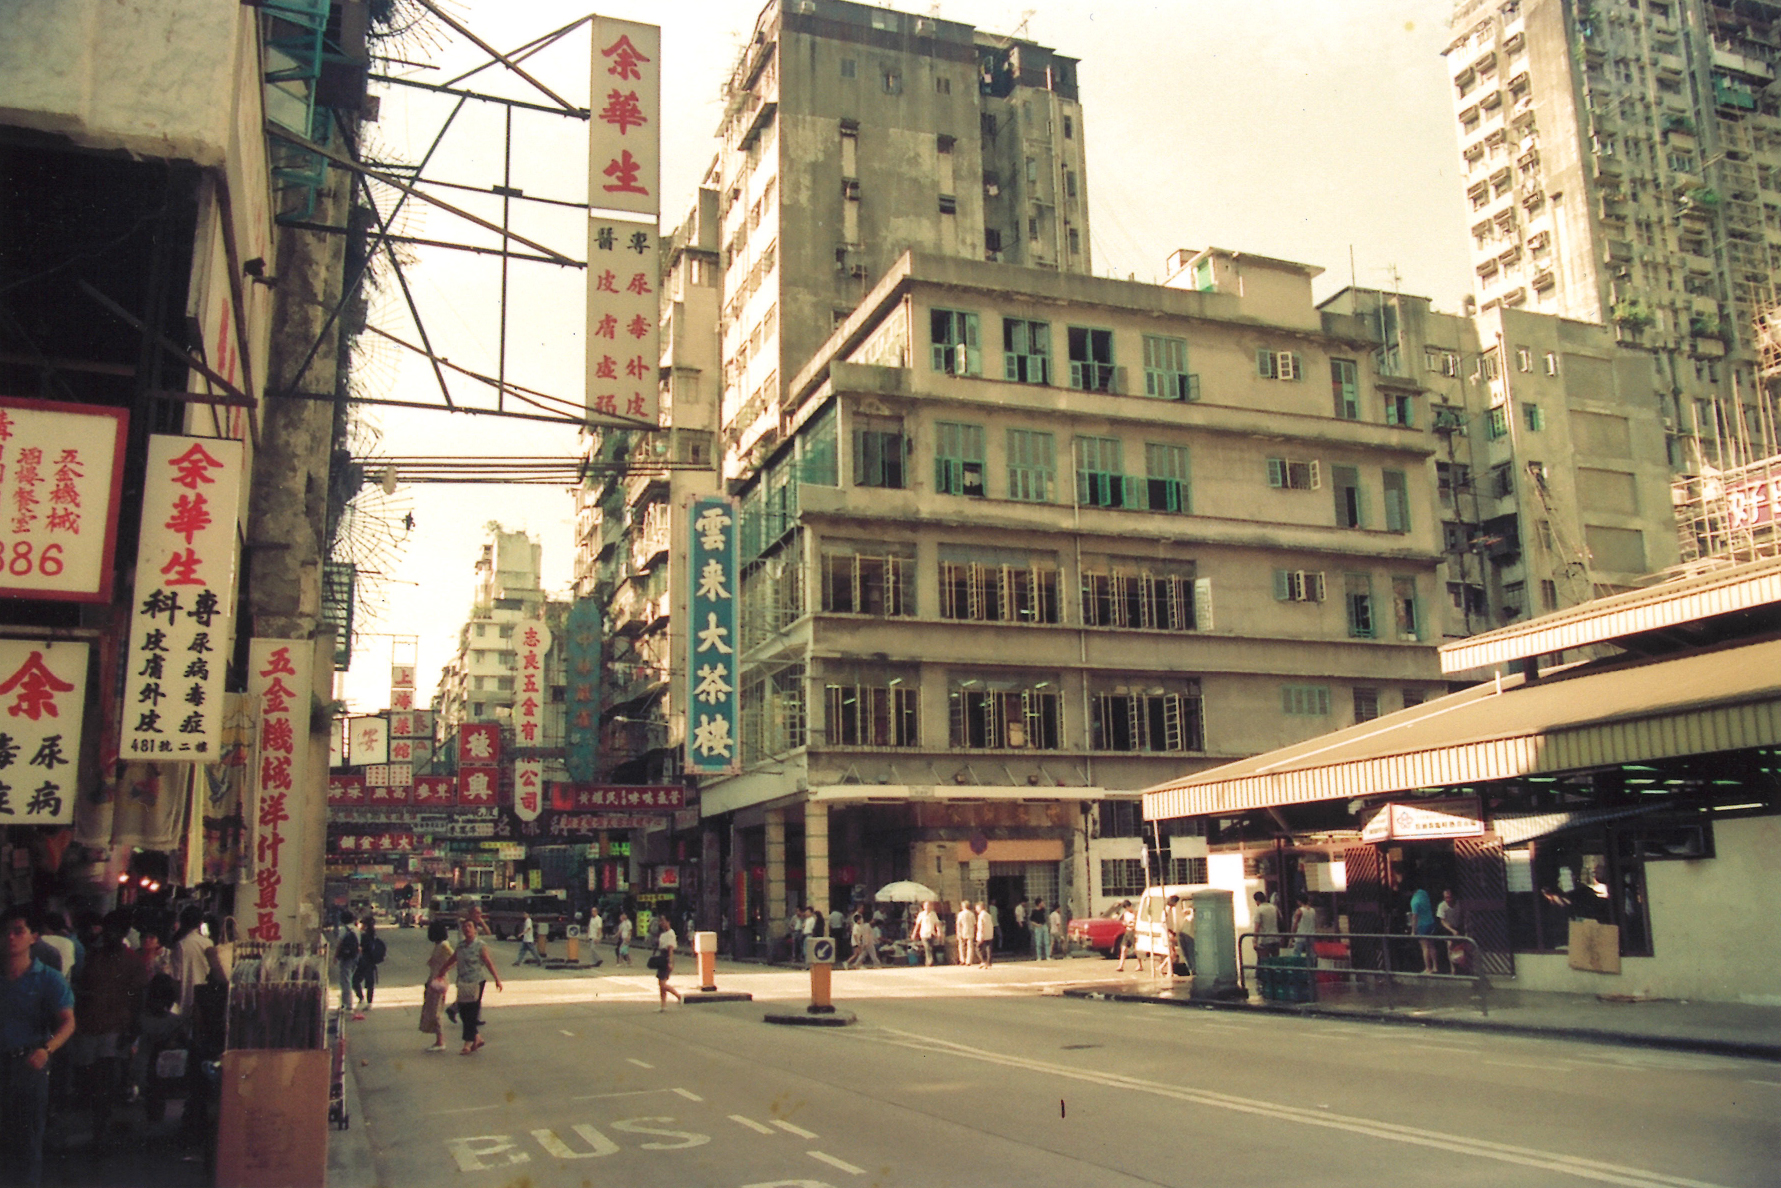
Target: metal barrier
x,y
1303,944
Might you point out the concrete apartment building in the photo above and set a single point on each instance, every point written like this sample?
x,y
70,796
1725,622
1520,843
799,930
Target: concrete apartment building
x,y
477,685
1622,163
988,596
852,134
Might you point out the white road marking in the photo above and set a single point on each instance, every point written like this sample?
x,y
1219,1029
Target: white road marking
x,y
570,1034
845,1166
688,1094
1440,1048
1587,1169
1524,1064
626,1093
464,1110
637,1062
790,1129
1777,1084
752,1124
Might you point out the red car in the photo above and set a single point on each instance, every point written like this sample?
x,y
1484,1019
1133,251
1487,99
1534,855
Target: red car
x,y
1101,932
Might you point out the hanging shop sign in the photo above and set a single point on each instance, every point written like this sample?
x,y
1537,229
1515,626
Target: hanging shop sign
x,y
581,658
367,741
712,743
479,745
1456,817
573,824
185,599
401,676
346,790
280,677
528,789
61,476
386,795
42,697
479,786
373,843
624,332
625,131
434,792
581,797
390,775
531,640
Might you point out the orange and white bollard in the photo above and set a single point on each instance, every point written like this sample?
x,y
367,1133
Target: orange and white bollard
x,y
705,947
822,962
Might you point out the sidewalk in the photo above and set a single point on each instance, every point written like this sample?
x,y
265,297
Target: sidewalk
x,y
1720,1028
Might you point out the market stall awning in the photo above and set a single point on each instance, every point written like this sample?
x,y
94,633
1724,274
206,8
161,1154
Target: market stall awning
x,y
1587,716
1512,831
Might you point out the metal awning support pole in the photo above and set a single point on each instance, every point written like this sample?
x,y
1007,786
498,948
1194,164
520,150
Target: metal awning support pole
x,y
498,56
536,45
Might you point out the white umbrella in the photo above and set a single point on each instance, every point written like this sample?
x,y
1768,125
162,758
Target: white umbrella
x,y
905,891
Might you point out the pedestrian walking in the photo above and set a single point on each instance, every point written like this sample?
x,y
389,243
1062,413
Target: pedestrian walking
x,y
986,934
926,930
372,951
1055,923
622,955
474,969
528,942
195,960
107,999
965,927
36,1018
1267,927
865,943
346,960
433,995
842,934
1128,940
1041,932
596,928
662,961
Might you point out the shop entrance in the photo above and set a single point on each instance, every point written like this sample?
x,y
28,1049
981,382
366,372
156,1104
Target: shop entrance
x,y
1011,882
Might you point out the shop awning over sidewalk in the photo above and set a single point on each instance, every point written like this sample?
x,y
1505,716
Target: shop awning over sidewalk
x,y
1588,716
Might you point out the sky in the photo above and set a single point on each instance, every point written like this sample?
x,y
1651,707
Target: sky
x,y
1314,130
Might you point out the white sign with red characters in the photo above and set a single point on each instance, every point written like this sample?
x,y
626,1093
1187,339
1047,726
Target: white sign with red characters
x,y
625,133
624,335
528,788
279,676
60,478
185,599
401,676
42,695
531,639
367,741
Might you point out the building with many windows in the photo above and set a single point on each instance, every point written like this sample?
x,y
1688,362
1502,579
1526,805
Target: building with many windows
x,y
985,591
1621,163
478,684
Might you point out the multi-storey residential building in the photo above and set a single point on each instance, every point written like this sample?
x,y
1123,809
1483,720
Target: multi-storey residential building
x,y
1550,469
1621,163
478,684
985,592
852,134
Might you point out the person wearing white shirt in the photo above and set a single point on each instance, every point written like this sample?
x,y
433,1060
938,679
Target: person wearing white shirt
x,y
966,928
926,931
1056,920
806,930
865,943
986,934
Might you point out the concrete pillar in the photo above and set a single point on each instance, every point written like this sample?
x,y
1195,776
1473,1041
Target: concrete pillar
x,y
775,905
711,880
816,855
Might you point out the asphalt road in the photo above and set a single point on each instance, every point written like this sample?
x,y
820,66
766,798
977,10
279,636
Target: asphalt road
x,y
983,1078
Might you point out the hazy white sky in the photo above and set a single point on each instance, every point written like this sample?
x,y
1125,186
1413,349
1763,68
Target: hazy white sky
x,y
1305,129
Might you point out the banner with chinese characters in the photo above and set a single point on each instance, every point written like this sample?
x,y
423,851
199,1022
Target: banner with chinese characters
x,y
479,745
346,790
531,640
403,724
624,335
390,775
367,740
625,133
479,787
61,472
386,795
185,599
581,659
279,676
528,789
711,735
42,696
401,676
582,797
373,843
434,792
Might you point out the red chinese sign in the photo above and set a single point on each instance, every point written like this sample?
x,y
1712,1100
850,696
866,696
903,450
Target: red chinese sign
x,y
43,687
664,798
373,843
479,786
479,745
346,790
279,675
180,630
434,792
60,479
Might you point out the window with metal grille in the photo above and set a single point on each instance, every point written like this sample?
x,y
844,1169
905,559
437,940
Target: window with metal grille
x,y
1122,876
1358,591
1032,465
1345,385
772,713
1122,818
998,586
878,451
1100,472
872,715
1166,478
771,593
818,463
1366,704
991,714
1026,351
1305,701
953,342
1148,596
1091,359
1165,369
1291,475
1190,872
1147,718
958,459
868,579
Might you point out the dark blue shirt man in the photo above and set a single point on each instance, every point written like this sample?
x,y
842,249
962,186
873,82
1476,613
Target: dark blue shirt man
x,y
36,1020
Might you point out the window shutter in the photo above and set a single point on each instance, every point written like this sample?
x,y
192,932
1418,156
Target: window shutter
x,y
1314,586
1282,586
1264,363
893,585
1172,722
1316,475
1297,366
1276,472
1202,604
1178,597
974,592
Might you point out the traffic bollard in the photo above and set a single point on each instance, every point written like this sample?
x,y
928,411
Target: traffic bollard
x,y
705,946
822,961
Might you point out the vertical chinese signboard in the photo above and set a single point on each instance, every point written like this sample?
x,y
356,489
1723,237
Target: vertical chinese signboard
x,y
479,764
624,159
42,697
185,599
278,675
712,669
60,476
581,655
528,788
531,640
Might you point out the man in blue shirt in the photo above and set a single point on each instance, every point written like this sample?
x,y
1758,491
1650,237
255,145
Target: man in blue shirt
x,y
36,1019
